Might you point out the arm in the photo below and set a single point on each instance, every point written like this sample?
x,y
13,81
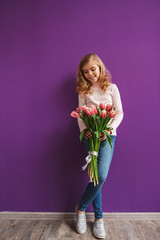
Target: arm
x,y
81,102
117,104
118,109
82,126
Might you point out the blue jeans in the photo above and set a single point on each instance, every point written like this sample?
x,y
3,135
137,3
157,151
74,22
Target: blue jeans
x,y
92,193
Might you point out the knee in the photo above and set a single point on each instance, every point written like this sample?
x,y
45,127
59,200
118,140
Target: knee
x,y
102,180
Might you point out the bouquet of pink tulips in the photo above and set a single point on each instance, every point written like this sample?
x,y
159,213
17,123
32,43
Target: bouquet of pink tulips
x,y
96,120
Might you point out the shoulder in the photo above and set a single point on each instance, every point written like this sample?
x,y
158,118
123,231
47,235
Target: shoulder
x,y
113,87
81,99
114,90
81,96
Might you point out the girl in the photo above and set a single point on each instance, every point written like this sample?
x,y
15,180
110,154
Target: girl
x,y
94,86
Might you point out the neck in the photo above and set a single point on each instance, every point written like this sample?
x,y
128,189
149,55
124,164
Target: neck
x,y
95,84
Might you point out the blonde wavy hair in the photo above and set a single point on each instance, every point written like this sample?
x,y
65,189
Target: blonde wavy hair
x,y
83,86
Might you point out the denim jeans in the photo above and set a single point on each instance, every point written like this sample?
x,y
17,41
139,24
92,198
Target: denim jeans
x,y
92,193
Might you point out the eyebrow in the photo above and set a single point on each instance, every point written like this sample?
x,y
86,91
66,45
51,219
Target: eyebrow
x,y
87,69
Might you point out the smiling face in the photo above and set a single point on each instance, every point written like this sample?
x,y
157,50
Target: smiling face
x,y
91,71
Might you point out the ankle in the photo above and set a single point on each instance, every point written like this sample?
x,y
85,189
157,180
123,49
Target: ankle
x,y
80,212
98,219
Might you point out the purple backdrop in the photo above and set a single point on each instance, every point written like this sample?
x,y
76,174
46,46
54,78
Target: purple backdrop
x,y
41,45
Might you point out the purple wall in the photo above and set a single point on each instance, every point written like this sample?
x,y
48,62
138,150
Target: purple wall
x,y
40,154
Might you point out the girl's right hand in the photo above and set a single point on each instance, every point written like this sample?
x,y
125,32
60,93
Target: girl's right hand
x,y
88,134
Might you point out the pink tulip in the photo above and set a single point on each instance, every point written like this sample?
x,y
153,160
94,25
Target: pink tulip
x,y
111,114
84,109
89,111
75,114
108,107
92,112
79,109
103,114
95,109
102,106
92,106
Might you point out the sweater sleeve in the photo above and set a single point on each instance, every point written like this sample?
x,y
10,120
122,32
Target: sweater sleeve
x,y
117,104
81,102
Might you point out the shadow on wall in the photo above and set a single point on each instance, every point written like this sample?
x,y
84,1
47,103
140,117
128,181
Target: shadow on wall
x,y
71,152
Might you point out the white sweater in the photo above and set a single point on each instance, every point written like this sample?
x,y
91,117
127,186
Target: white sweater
x,y
111,96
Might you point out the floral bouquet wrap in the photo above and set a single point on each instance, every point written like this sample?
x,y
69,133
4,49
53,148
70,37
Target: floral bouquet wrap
x,y
96,120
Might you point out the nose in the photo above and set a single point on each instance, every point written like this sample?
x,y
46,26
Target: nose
x,y
89,73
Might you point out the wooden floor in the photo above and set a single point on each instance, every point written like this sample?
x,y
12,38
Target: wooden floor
x,y
64,229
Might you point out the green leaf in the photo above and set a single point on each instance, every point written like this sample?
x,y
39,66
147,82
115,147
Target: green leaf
x,y
108,137
98,123
110,141
82,134
97,133
105,142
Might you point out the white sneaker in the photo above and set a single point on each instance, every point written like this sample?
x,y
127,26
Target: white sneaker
x,y
98,229
81,221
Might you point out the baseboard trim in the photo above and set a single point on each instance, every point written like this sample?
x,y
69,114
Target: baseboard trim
x,y
71,215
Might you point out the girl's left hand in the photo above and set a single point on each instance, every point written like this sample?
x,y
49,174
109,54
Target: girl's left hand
x,y
103,136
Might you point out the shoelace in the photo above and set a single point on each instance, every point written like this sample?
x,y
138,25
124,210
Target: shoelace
x,y
99,224
81,218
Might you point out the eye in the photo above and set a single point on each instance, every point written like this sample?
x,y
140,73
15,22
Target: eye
x,y
85,72
93,69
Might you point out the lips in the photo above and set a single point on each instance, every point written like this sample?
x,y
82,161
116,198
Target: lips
x,y
92,78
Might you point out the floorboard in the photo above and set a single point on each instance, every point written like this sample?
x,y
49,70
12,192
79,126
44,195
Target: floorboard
x,y
64,229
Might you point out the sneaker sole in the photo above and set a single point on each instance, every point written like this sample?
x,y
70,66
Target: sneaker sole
x,y
100,237
79,232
